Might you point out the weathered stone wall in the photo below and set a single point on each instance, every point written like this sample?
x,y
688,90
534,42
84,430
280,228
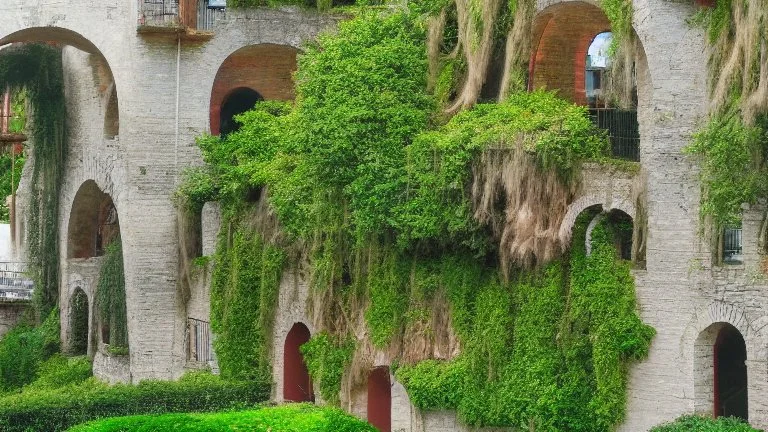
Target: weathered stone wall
x,y
11,312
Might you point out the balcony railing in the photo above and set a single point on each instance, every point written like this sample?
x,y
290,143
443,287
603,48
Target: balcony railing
x,y
199,347
732,247
14,282
193,16
623,131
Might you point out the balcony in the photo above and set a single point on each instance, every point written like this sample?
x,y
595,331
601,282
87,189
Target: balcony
x,y
14,283
623,131
189,19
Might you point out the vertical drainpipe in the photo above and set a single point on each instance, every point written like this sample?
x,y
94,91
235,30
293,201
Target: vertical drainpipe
x,y
178,79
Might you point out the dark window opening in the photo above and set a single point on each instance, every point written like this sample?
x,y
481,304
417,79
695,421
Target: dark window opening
x,y
239,101
622,226
730,374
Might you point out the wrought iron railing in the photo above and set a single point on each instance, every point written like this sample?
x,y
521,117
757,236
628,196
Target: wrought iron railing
x,y
732,246
623,131
193,14
14,282
199,347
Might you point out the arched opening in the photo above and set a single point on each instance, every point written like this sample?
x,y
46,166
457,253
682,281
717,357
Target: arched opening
x,y
237,102
297,384
112,116
380,399
730,374
597,63
265,69
93,222
621,227
78,319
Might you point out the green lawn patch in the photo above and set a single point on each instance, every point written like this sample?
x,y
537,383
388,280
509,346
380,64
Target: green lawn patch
x,y
285,418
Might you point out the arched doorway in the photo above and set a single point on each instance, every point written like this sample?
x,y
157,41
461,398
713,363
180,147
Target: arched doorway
x,y
730,374
297,384
237,102
380,399
78,327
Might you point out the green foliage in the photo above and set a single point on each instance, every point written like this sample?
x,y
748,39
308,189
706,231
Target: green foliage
x,y
327,358
52,407
6,175
110,296
286,418
79,313
733,167
24,349
37,69
704,424
550,350
244,291
59,371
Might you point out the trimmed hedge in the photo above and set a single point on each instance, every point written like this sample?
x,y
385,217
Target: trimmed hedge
x,y
57,409
286,418
693,423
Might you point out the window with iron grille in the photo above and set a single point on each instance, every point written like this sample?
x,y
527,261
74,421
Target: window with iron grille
x,y
732,245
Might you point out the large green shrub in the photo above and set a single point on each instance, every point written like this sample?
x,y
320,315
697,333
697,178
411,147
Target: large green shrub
x,y
24,349
286,418
41,408
692,423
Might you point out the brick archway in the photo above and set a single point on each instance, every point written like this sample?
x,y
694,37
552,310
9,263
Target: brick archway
x,y
297,384
380,399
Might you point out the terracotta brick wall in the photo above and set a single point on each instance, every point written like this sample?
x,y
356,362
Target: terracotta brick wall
x,y
266,68
563,34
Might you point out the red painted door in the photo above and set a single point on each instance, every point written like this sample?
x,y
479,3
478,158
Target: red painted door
x,y
297,385
380,399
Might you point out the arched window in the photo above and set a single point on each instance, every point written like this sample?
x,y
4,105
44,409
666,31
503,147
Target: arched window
x,y
597,63
380,399
297,385
237,102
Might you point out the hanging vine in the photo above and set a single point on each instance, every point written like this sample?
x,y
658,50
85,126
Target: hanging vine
x,y
110,299
37,69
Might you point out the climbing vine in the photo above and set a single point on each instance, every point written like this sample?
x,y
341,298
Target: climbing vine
x,y
37,69
733,141
110,298
434,239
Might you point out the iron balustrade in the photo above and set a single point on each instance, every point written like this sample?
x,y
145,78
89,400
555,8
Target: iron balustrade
x,y
623,131
732,246
14,282
199,347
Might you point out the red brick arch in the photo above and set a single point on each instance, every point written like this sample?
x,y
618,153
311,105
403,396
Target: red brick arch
x,y
265,68
562,35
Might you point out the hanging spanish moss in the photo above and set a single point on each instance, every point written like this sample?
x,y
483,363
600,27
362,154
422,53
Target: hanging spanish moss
x,y
37,68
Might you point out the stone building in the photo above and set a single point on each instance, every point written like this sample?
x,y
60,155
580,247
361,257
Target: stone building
x,y
143,78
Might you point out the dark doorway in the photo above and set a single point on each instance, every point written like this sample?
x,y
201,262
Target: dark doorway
x,y
380,399
239,101
730,374
78,310
297,385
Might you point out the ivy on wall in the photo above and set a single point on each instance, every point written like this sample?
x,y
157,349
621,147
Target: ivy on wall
x,y
37,70
110,298
6,175
410,227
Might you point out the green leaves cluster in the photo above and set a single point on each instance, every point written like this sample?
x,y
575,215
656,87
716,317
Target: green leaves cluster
x,y
244,292
550,350
327,359
733,168
24,349
704,424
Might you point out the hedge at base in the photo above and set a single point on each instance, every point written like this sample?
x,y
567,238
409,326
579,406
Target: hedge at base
x,y
693,423
59,409
286,418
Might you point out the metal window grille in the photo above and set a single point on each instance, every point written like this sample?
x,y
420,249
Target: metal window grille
x,y
199,341
623,131
732,246
209,12
14,283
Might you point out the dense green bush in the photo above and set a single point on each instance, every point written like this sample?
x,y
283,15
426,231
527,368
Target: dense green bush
x,y
24,349
38,408
692,423
59,371
286,418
